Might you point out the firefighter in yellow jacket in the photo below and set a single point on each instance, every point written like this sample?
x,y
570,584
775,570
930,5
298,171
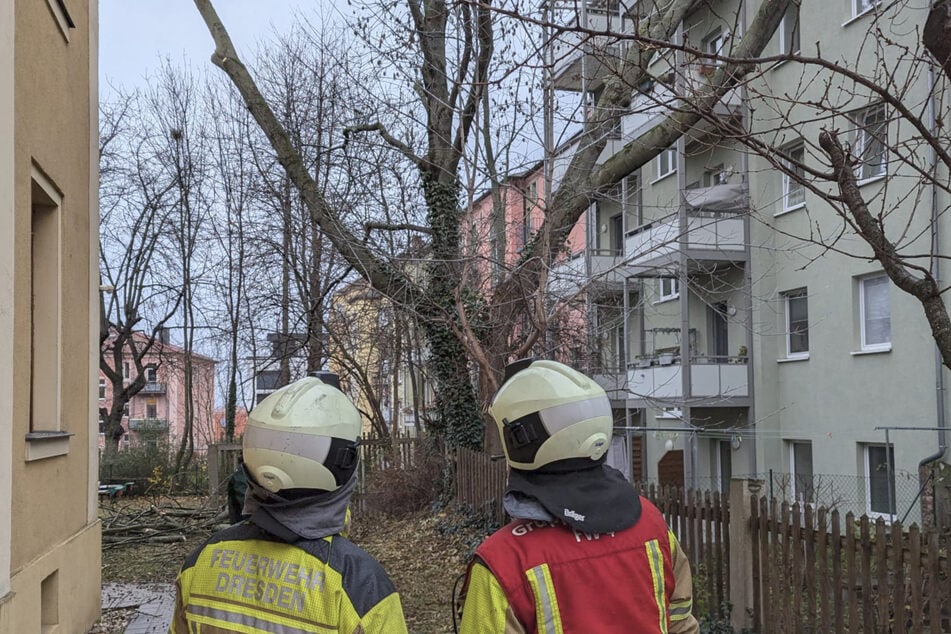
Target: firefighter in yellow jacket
x,y
287,568
584,554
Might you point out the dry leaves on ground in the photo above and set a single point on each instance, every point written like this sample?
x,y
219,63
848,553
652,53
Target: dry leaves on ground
x,y
423,554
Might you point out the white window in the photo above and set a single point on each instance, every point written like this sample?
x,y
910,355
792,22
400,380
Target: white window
x,y
102,389
789,30
713,45
528,207
880,479
666,163
861,6
668,288
151,374
126,374
794,193
800,470
797,324
874,316
869,144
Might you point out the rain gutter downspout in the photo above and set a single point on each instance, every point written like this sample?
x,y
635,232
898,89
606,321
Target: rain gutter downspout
x,y
935,273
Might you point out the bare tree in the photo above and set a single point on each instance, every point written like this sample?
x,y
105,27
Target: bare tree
x,y
136,299
450,85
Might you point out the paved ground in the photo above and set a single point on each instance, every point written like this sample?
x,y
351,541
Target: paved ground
x,y
154,603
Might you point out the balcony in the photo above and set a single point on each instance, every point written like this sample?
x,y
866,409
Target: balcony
x,y
565,153
598,55
715,231
153,387
607,273
148,424
661,377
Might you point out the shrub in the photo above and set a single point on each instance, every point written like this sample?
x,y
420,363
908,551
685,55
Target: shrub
x,y
403,490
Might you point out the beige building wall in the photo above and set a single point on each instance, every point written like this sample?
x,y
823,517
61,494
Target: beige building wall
x,y
49,535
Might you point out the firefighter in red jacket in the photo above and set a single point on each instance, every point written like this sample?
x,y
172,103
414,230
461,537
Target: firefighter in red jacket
x,y
584,554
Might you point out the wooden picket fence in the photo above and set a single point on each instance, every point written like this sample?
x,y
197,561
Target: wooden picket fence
x,y
701,522
479,483
814,573
811,571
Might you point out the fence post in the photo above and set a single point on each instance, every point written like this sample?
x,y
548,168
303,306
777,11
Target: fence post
x,y
741,549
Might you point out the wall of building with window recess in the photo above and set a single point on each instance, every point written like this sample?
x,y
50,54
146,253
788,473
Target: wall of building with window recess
x,y
49,532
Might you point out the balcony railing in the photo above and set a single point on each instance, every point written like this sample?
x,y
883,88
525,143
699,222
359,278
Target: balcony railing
x,y
148,424
153,387
568,276
661,377
714,226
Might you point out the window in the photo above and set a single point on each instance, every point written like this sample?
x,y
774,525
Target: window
x,y
874,319
669,288
713,45
789,30
528,206
617,235
45,291
868,147
666,163
800,470
151,409
794,193
126,373
151,374
797,324
725,460
102,389
61,14
632,201
861,6
880,479
715,175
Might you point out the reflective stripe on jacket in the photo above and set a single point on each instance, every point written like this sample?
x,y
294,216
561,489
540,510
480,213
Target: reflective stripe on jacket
x,y
542,577
246,580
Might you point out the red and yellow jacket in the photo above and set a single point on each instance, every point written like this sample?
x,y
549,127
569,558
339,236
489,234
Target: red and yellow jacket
x,y
545,577
245,580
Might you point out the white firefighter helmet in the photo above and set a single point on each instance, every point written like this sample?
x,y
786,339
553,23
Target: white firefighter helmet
x,y
303,436
547,411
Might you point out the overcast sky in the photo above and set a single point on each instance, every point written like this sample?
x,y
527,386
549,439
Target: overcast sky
x,y
136,35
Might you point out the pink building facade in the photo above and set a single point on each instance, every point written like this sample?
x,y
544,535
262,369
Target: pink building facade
x,y
158,411
495,245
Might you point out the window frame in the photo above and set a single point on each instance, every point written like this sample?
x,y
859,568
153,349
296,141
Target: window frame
x,y
863,328
668,156
794,475
863,136
889,458
788,297
713,44
674,289
102,389
784,48
861,7
788,181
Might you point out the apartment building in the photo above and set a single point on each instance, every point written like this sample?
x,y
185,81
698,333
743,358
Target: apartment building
x,y
157,413
49,531
377,352
738,323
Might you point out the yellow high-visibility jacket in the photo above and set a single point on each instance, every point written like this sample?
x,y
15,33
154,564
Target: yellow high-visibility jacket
x,y
244,580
